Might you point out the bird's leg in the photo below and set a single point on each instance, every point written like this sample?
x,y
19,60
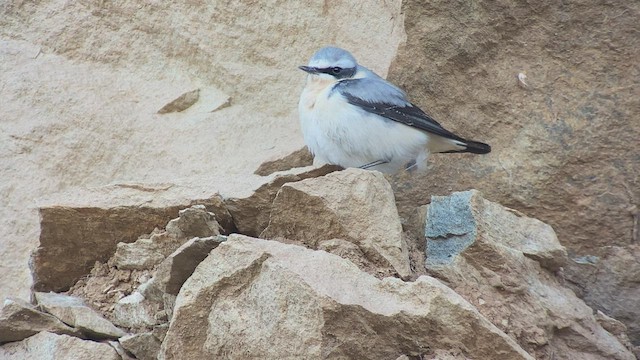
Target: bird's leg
x,y
373,163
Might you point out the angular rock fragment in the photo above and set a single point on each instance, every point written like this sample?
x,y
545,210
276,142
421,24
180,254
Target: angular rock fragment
x,y
298,158
144,346
194,221
504,264
49,346
134,312
73,312
145,253
19,320
354,205
265,299
177,267
181,103
251,214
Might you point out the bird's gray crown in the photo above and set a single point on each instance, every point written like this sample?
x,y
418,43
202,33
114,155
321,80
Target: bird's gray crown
x,y
332,56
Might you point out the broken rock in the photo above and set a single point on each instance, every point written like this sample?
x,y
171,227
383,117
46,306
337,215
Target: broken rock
x,y
72,311
19,320
503,263
266,299
354,205
49,346
134,312
144,346
177,267
251,214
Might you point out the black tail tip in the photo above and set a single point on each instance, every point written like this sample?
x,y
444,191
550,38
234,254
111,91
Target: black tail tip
x,y
475,147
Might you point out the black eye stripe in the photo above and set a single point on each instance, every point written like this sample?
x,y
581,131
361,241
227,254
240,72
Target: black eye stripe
x,y
338,71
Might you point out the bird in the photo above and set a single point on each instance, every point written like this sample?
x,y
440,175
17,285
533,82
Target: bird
x,y
353,118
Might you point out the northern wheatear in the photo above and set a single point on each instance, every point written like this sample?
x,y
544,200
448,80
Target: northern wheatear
x,y
353,118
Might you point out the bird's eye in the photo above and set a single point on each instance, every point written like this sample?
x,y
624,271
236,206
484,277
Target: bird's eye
x,y
336,70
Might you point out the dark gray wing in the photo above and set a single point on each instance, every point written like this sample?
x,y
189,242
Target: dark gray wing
x,y
375,95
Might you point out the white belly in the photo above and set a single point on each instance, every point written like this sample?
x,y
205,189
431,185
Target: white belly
x,y
342,134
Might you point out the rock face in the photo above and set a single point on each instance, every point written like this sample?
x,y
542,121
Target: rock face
x,y
561,144
504,263
268,299
49,346
354,205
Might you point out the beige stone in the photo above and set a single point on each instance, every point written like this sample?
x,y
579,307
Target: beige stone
x,y
251,213
259,298
49,346
299,158
178,266
144,346
73,311
145,252
482,250
134,312
19,320
354,205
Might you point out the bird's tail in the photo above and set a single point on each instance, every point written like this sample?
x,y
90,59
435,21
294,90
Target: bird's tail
x,y
473,147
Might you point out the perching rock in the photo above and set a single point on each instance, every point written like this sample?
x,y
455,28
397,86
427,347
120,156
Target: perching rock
x,y
49,346
19,320
145,346
260,298
484,252
73,312
354,205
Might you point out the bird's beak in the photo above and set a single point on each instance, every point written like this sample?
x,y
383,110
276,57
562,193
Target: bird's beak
x,y
309,69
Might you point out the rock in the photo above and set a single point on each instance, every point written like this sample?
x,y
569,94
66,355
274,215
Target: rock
x,y
195,221
177,267
59,260
49,346
124,354
145,253
454,223
182,102
483,251
68,229
610,283
134,312
19,320
144,346
260,298
355,205
561,146
73,312
299,158
251,213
